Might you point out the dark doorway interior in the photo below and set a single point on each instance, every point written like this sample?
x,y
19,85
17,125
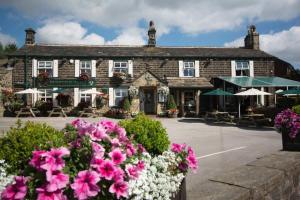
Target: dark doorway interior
x,y
149,103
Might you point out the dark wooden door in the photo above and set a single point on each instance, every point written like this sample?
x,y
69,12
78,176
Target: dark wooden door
x,y
149,104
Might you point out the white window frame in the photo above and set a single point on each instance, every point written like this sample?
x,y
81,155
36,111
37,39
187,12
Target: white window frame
x,y
46,94
119,94
85,97
85,66
189,65
47,64
162,98
121,67
245,66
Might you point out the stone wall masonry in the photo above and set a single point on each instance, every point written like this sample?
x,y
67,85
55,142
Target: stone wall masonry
x,y
272,177
159,67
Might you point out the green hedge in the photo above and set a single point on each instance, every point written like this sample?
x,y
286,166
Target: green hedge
x,y
18,143
296,109
148,132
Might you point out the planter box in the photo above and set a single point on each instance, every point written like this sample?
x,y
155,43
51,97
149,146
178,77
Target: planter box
x,y
173,115
290,145
181,195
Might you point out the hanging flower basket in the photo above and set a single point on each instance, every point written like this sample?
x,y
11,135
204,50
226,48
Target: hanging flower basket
x,y
133,91
288,123
43,78
84,77
120,75
164,90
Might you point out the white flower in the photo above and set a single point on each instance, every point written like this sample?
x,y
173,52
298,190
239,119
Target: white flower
x,y
4,178
155,181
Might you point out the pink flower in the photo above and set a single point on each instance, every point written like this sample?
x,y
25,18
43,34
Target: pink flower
x,y
141,165
141,149
43,194
96,162
54,160
56,180
177,148
119,188
98,133
107,169
115,142
18,190
98,150
85,184
37,159
118,174
192,160
130,150
121,132
117,157
132,171
76,122
108,125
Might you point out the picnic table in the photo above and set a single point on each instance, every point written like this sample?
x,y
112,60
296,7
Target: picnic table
x,y
27,111
219,116
57,111
254,119
88,112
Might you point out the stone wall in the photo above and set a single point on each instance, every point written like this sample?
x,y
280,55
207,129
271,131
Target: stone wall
x,y
272,177
159,67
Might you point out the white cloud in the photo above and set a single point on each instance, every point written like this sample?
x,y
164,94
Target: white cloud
x,y
284,44
129,36
7,39
69,32
190,16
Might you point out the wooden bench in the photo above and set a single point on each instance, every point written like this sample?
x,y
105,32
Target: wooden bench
x,y
25,112
88,112
57,111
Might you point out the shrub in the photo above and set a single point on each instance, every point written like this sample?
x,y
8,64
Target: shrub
x,y
20,141
82,105
148,132
171,103
296,109
126,104
43,107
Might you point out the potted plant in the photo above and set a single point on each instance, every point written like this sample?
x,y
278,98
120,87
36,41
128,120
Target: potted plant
x,y
288,123
120,75
133,92
43,78
125,108
84,77
171,107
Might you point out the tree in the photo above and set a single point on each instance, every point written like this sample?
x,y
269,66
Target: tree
x,y
171,103
10,48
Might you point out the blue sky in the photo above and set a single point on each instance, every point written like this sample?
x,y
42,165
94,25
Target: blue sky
x,y
178,23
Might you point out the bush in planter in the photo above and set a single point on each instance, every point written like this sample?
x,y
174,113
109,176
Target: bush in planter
x,y
102,163
288,123
126,105
83,104
171,103
94,166
296,109
20,141
148,132
43,107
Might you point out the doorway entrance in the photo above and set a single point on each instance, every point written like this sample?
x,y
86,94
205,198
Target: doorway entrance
x,y
149,101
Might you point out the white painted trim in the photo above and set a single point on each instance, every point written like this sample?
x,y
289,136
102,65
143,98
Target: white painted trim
x,y
180,68
94,98
34,67
93,73
251,66
197,68
233,68
76,96
54,95
130,68
55,68
110,68
111,97
77,63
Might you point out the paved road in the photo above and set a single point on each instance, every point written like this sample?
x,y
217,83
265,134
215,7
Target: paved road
x,y
218,147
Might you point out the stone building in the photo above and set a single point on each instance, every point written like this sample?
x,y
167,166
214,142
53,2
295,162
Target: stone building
x,y
186,71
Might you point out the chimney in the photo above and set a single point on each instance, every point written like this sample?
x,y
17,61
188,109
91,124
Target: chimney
x,y
29,39
252,39
151,35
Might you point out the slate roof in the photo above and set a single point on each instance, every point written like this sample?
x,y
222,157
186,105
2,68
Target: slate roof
x,y
179,82
138,51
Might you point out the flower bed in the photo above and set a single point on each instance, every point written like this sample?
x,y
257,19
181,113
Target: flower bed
x,y
101,162
288,123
